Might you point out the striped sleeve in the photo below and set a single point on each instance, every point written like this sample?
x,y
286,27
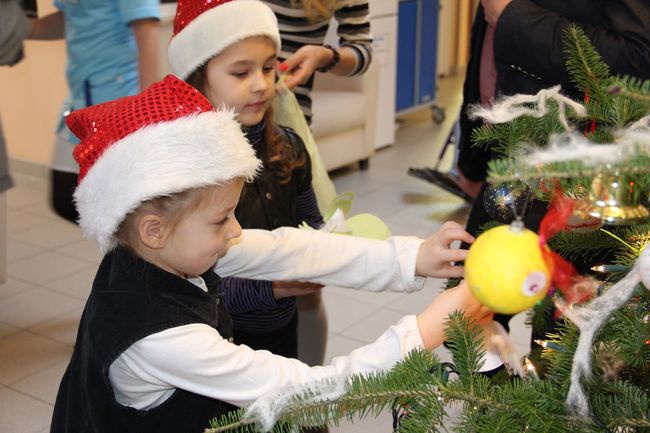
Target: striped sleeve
x,y
307,209
296,30
243,295
353,18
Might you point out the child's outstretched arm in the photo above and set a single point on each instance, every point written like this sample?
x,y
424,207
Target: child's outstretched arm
x,y
196,358
344,261
330,259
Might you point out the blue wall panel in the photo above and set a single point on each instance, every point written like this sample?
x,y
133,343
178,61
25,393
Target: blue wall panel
x,y
417,50
406,44
428,51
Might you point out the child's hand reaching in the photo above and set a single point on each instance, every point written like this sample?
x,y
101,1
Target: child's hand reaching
x,y
435,255
431,321
285,289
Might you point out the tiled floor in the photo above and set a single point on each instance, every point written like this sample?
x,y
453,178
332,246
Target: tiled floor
x,y
50,269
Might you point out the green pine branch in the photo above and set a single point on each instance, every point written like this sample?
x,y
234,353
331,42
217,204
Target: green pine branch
x,y
559,358
585,66
423,387
465,341
575,246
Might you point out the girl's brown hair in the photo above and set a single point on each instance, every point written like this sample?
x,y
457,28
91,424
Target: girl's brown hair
x,y
317,10
281,157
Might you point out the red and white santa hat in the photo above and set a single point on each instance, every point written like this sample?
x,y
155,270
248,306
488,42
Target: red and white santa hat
x,y
165,140
204,28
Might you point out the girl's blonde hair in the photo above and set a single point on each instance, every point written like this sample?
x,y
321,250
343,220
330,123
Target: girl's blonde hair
x,y
317,10
173,207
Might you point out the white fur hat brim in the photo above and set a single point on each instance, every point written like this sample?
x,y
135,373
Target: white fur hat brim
x,y
157,160
218,28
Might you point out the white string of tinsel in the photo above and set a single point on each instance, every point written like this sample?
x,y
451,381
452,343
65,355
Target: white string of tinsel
x,y
511,107
267,409
576,147
643,124
590,317
497,339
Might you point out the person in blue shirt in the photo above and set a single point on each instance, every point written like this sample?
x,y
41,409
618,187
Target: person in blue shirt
x,y
112,48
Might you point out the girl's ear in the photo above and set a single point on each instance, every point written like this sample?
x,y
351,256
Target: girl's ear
x,y
151,229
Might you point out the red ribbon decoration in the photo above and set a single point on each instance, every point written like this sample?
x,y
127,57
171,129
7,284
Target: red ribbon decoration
x,y
555,221
563,274
589,130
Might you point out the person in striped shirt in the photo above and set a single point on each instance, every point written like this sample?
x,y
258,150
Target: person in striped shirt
x,y
303,25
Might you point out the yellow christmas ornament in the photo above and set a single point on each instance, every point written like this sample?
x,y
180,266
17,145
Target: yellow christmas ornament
x,y
505,269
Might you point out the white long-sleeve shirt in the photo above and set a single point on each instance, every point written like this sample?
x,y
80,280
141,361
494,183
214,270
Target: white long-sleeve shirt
x,y
198,359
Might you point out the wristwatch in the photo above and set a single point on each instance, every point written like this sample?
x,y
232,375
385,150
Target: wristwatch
x,y
336,56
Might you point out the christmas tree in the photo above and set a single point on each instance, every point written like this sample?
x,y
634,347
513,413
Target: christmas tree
x,y
592,372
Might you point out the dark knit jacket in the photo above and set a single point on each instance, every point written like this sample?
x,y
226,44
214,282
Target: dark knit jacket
x,y
130,300
268,204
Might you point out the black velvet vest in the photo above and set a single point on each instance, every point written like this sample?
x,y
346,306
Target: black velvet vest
x,y
130,300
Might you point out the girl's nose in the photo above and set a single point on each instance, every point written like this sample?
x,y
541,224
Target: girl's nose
x,y
260,83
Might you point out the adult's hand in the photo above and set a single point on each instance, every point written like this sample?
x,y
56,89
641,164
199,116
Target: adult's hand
x,y
303,63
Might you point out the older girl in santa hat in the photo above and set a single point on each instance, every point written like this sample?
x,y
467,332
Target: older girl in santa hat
x,y
227,49
160,177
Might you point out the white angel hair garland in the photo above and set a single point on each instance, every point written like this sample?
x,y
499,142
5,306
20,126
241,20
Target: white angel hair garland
x,y
509,108
267,409
570,146
576,147
590,317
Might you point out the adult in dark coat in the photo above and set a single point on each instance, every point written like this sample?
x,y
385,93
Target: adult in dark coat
x,y
528,56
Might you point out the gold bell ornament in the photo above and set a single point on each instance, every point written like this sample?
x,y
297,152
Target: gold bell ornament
x,y
614,199
506,270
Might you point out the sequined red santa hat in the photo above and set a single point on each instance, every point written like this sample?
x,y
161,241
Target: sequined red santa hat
x,y
204,28
165,140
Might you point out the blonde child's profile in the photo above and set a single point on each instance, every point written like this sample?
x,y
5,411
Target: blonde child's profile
x,y
160,177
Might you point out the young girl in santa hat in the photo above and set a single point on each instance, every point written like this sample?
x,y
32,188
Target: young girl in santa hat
x,y
228,51
160,177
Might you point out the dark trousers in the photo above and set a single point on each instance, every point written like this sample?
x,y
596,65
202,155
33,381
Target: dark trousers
x,y
63,186
283,341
